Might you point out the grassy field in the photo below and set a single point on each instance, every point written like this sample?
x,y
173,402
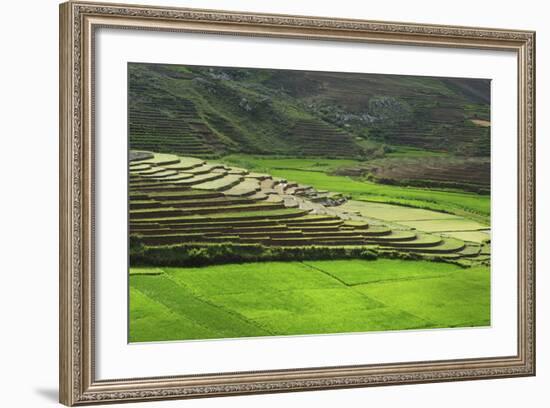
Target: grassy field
x,y
315,173
282,298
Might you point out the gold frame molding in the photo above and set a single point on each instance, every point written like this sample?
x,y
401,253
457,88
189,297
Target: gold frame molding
x,y
78,22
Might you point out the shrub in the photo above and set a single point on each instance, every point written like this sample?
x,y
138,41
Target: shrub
x,y
208,254
368,254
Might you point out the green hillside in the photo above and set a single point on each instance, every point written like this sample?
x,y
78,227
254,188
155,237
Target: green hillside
x,y
210,112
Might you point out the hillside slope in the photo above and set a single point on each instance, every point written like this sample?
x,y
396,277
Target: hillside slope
x,y
209,112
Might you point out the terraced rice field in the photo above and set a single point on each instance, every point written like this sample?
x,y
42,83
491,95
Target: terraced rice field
x,y
441,131
470,174
316,137
178,200
178,130
313,297
423,220
320,174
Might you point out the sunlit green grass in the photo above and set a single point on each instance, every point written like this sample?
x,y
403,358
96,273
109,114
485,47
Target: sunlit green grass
x,y
201,318
356,271
314,297
152,320
455,300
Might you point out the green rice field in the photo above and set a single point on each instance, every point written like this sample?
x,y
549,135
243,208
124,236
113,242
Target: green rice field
x,y
312,297
317,173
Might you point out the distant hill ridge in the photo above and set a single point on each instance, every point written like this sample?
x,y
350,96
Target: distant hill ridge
x,y
209,112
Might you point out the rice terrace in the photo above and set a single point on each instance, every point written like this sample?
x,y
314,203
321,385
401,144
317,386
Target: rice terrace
x,y
270,202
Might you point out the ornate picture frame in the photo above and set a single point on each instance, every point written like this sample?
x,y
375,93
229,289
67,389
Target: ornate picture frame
x,y
78,24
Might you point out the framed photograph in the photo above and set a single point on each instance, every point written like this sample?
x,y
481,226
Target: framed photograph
x,y
256,203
